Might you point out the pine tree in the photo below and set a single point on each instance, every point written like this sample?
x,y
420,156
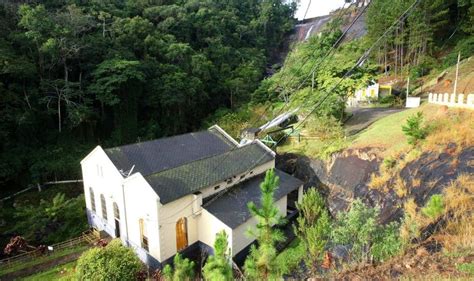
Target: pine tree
x,y
261,264
218,267
183,269
313,228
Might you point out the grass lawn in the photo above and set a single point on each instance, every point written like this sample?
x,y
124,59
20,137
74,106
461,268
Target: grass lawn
x,y
67,251
63,272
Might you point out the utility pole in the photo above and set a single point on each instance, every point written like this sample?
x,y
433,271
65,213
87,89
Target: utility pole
x,y
457,74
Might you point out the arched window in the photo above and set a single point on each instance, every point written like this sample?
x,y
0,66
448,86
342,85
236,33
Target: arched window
x,y
143,234
91,192
104,206
116,219
116,211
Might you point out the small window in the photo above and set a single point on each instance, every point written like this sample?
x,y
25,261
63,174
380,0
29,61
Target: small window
x,y
143,235
104,206
217,187
229,181
116,211
242,176
101,172
91,192
251,172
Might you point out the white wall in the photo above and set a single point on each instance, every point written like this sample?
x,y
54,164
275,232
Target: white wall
x,y
100,174
209,226
452,100
240,240
142,203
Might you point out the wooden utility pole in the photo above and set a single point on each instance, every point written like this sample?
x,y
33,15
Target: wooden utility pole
x,y
457,74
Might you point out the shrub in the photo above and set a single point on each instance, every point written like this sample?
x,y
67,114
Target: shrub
x,y
114,262
183,269
358,228
218,266
414,129
434,207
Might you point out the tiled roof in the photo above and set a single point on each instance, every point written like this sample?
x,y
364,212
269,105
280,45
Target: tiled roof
x,y
174,183
231,208
158,155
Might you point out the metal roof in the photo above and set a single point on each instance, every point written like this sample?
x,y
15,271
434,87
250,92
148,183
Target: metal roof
x,y
231,208
175,183
158,155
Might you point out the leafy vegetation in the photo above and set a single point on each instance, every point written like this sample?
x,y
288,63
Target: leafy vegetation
x,y
359,231
261,262
113,262
434,207
217,267
64,272
51,221
183,269
77,73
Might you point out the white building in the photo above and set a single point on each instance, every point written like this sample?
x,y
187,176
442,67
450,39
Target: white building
x,y
174,194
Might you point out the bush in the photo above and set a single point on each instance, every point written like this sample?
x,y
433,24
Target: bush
x,y
360,230
114,262
465,46
414,129
434,207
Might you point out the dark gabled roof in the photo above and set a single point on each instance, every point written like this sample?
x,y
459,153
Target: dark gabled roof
x,y
174,183
157,155
231,208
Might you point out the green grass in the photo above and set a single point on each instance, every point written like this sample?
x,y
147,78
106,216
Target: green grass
x,y
64,272
40,260
288,260
466,268
386,132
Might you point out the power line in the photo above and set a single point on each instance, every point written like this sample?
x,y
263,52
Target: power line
x,y
318,104
347,74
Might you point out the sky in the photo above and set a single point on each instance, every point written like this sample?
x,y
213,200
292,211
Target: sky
x,y
317,7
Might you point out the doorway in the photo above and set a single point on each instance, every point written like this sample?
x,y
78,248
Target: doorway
x,y
181,234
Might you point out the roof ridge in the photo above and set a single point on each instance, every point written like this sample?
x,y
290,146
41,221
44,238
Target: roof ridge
x,y
206,158
171,137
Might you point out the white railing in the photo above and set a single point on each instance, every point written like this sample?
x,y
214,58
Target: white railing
x,y
452,100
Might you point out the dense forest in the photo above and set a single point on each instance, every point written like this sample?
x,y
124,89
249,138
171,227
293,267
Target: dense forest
x,y
74,74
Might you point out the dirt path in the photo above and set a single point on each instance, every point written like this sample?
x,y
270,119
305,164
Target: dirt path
x,y
364,117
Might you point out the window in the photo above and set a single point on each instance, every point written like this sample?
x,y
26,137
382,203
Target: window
x,y
242,176
143,234
217,187
104,206
116,211
91,192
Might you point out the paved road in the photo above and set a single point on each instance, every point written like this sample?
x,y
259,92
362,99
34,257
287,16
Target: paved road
x,y
364,117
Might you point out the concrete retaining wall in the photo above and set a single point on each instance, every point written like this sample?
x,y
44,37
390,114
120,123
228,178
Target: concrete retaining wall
x,y
452,100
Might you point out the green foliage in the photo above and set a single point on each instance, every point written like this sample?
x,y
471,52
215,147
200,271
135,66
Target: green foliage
x,y
289,261
466,267
51,221
434,207
465,47
414,129
79,73
113,262
313,228
261,262
389,162
217,267
183,269
359,230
